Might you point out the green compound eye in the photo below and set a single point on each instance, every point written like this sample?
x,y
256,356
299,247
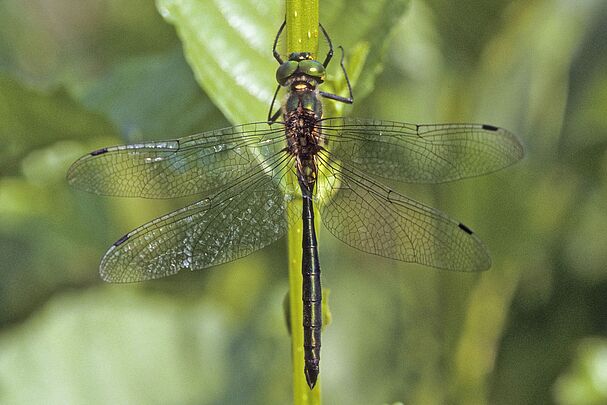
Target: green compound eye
x,y
312,68
285,71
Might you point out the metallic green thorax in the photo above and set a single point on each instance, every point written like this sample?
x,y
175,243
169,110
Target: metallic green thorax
x,y
301,74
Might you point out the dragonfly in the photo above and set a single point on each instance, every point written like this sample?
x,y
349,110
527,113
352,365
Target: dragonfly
x,y
256,180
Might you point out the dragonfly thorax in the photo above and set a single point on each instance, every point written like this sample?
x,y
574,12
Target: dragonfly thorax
x,y
303,97
303,138
302,111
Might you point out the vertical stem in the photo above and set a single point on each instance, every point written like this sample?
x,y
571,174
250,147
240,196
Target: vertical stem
x,y
302,26
302,36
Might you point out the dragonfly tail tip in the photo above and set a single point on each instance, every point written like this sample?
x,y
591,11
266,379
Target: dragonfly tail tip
x,y
311,376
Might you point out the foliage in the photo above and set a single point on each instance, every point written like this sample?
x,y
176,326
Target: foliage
x,y
78,75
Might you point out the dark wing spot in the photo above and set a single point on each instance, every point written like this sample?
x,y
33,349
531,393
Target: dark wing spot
x,y
121,240
98,151
490,127
465,229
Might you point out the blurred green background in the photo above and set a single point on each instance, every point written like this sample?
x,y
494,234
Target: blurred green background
x,y
76,75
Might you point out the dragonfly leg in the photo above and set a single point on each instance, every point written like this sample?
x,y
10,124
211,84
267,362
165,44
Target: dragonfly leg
x,y
273,117
330,53
341,99
274,51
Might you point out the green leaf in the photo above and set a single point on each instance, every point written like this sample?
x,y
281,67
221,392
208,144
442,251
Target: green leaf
x,y
229,50
70,43
31,120
369,25
153,97
143,355
229,47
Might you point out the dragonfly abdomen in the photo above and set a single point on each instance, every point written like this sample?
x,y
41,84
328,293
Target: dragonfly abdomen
x,y
311,288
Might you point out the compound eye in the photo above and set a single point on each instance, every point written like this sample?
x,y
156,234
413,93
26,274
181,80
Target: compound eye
x,y
312,68
285,71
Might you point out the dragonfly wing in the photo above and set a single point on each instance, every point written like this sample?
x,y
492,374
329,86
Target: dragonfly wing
x,y
223,227
421,153
375,219
192,165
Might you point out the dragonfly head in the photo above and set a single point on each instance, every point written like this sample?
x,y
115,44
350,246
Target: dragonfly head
x,y
299,56
300,64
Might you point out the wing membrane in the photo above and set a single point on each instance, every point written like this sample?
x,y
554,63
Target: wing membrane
x,y
218,229
375,219
421,153
196,164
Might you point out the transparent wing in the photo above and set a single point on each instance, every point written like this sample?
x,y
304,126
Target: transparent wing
x,y
375,219
186,166
421,153
223,227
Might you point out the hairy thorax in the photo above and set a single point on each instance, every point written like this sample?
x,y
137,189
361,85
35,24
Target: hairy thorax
x,y
303,133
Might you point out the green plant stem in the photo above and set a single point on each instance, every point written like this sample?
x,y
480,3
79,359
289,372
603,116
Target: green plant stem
x,y
302,26
302,36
